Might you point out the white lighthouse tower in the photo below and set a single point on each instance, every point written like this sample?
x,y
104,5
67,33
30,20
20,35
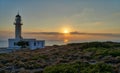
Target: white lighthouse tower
x,y
18,28
32,43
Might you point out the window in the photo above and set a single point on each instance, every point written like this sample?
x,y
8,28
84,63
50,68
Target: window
x,y
15,43
34,43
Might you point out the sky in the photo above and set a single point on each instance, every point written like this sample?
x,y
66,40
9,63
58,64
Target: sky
x,y
46,19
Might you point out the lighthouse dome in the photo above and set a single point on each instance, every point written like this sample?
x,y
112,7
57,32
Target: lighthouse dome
x,y
18,15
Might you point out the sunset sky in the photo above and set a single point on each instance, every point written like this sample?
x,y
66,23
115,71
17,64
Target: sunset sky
x,y
48,19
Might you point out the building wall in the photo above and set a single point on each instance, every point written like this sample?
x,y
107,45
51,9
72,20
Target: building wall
x,y
12,44
40,43
32,43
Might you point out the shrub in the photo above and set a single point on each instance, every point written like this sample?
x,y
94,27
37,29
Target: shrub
x,y
79,67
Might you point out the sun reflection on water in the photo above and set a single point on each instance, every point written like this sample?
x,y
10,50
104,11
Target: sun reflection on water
x,y
66,41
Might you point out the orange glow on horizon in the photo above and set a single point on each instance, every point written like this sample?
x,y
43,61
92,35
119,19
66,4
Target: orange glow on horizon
x,y
66,36
66,31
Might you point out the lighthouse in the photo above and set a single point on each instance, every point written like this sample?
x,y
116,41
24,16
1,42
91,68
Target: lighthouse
x,y
18,26
31,43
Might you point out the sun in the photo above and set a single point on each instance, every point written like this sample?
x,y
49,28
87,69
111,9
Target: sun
x,y
66,31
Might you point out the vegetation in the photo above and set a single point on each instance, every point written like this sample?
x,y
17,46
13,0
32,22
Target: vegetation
x,y
23,44
79,67
89,57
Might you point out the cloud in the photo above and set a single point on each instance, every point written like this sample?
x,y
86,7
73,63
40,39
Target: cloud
x,y
96,34
76,33
43,33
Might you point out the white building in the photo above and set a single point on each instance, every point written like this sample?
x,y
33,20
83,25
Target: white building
x,y
30,43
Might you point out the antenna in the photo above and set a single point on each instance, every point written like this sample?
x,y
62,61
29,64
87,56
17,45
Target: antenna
x,y
18,12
